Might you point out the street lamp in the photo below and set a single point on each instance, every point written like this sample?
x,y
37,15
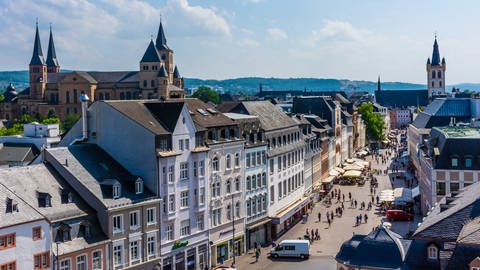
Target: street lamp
x,y
233,229
57,255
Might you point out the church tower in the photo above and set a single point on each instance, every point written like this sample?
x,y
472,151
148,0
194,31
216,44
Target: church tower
x,y
166,54
52,61
37,70
436,73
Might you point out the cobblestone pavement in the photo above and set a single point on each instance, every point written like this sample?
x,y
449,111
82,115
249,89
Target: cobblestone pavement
x,y
340,230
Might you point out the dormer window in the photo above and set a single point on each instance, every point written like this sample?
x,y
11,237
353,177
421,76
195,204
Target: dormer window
x,y
44,200
11,206
454,162
468,162
63,232
117,190
432,252
139,186
66,196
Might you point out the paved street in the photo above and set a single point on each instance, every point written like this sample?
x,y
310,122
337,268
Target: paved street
x,y
342,228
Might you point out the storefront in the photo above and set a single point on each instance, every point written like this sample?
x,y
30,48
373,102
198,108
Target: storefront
x,y
185,257
223,251
258,232
290,216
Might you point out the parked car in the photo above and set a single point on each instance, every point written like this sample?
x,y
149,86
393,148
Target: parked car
x,y
292,248
399,215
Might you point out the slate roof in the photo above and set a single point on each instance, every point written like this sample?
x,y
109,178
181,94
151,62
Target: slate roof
x,y
417,256
93,167
271,117
210,119
150,114
460,141
161,40
470,233
37,56
151,54
17,152
462,256
402,98
162,72
364,251
318,105
52,60
25,212
435,53
98,76
28,180
440,111
176,73
447,225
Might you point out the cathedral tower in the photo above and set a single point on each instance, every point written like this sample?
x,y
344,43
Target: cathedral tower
x,y
436,73
52,61
37,70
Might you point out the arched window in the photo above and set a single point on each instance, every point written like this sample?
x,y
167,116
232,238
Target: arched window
x,y
433,74
67,97
122,96
432,252
254,182
249,180
229,162
228,186
439,74
440,82
259,180
237,159
264,179
237,184
254,205
215,164
259,204
237,209
433,84
249,209
229,211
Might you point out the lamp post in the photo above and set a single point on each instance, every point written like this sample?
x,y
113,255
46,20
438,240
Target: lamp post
x,y
57,255
233,230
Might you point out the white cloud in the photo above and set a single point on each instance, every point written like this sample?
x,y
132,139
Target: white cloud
x,y
248,42
195,20
276,34
339,31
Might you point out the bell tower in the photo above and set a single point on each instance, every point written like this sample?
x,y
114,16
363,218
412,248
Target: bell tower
x,y
37,70
436,73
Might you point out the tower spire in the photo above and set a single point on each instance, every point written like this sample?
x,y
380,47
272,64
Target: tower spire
x,y
379,87
161,42
37,56
52,61
436,52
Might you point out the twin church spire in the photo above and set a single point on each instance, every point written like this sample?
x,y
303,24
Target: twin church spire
x,y
37,56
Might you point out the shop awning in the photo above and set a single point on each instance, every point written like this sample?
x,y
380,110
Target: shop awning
x,y
258,223
402,195
338,169
286,212
349,160
334,173
328,179
415,191
352,174
354,167
386,196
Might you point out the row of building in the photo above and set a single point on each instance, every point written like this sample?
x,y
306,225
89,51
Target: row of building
x,y
174,184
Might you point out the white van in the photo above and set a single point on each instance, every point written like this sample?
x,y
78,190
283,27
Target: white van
x,y
292,248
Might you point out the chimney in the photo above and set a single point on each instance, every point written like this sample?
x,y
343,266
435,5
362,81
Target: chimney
x,y
84,99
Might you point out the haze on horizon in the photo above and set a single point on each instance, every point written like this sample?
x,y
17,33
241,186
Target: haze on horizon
x,y
350,39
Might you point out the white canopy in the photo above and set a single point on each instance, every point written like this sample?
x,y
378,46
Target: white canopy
x,y
352,174
355,167
334,173
338,169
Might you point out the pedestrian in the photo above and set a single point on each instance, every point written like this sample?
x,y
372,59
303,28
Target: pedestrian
x,y
351,203
274,244
331,215
378,199
255,245
365,218
319,216
306,232
329,221
355,202
311,234
349,196
343,206
257,255
343,197
317,236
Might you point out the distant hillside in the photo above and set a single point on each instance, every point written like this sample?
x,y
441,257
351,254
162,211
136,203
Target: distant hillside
x,y
251,84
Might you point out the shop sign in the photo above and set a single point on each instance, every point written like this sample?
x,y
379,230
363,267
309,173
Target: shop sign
x,y
179,244
226,232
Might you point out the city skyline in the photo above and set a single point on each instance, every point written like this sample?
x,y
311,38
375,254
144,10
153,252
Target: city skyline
x,y
218,40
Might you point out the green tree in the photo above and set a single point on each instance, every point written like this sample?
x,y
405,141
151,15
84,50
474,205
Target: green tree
x,y
2,97
52,113
206,94
373,122
69,121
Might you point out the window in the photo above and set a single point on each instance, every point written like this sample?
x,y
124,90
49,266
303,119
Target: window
x,y
249,210
284,187
67,97
117,255
116,191
264,202
229,211
65,264
171,203
184,171
272,194
152,83
279,190
7,241
134,220
134,251
75,95
117,224
139,186
169,232
247,159
151,246
187,144
237,159
264,179
200,223
433,74
259,158
432,252
217,217
42,260
271,166
202,196
201,168
97,260
264,158
229,161
81,262
254,181
237,209
185,227
454,162
249,185
184,199
440,188
170,174
237,184
180,145
468,162
195,169
253,160
144,83
215,165
151,216
36,233
279,161
228,186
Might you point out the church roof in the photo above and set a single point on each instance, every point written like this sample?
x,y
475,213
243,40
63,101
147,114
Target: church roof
x,y
176,74
435,54
37,56
161,40
162,72
402,98
51,54
150,54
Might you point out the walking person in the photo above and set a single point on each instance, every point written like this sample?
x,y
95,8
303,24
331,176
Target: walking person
x,y
319,216
365,218
317,236
349,196
257,255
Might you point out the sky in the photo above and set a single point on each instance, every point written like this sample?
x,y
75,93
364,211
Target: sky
x,y
348,39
